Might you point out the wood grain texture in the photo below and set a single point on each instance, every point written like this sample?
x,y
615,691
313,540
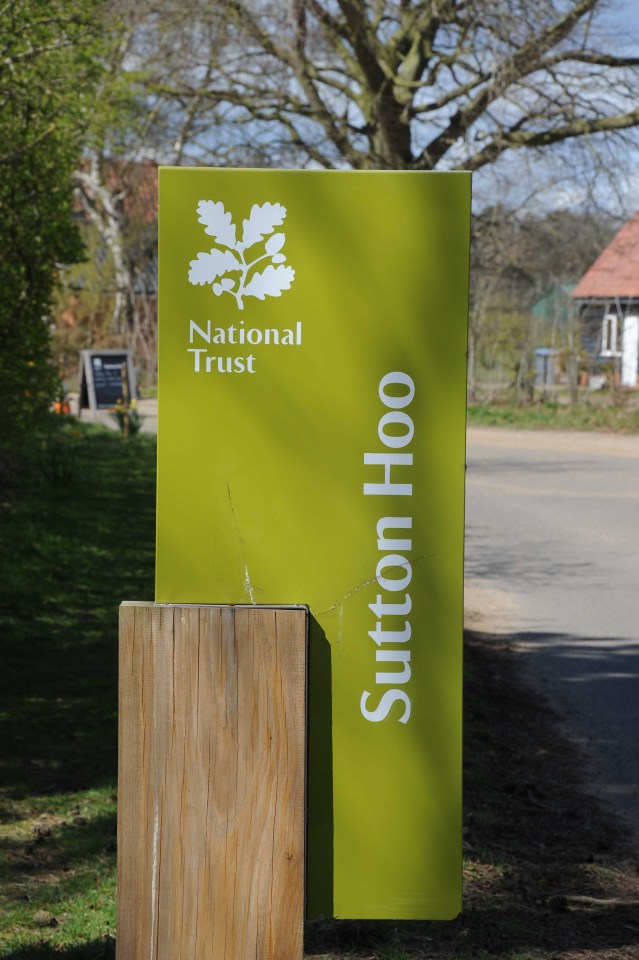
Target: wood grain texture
x,y
211,782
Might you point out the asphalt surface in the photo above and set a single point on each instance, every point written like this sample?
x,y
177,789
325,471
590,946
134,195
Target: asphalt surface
x,y
552,559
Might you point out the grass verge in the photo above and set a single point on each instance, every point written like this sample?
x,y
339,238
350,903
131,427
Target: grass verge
x,y
548,874
602,417
77,536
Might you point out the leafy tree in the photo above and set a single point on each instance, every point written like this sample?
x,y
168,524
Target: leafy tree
x,y
49,65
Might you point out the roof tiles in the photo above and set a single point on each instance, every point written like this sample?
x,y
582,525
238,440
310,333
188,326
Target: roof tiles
x,y
615,272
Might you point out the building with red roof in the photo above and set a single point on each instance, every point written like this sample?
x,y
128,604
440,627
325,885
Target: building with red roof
x,y
607,300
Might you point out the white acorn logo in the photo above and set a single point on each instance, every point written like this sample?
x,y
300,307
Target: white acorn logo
x,y
213,267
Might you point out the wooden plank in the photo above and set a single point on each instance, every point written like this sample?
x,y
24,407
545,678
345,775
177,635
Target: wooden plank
x,y
211,782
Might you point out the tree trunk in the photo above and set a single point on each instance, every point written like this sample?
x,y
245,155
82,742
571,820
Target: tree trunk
x,y
100,204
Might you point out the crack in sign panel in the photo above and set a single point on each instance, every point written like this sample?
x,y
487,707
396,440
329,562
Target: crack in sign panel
x,y
347,595
250,589
366,583
247,585
228,490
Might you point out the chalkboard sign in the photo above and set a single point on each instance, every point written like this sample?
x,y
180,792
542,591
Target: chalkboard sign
x,y
106,376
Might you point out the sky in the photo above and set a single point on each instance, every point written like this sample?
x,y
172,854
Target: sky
x,y
577,175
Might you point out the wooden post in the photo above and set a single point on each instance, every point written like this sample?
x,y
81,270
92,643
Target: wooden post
x,y
211,782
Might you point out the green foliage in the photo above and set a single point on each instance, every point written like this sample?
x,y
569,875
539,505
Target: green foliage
x,y
127,418
49,66
74,544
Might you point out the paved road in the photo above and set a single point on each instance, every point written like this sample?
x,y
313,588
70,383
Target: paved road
x,y
552,555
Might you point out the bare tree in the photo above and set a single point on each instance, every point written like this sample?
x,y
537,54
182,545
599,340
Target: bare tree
x,y
135,121
367,84
398,84
116,188
520,259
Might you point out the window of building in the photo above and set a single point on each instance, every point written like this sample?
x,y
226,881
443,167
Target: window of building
x,y
610,336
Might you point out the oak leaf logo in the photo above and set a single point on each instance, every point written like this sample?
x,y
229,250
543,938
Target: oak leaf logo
x,y
239,256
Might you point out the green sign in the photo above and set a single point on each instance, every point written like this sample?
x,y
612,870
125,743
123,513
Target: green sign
x,y
311,450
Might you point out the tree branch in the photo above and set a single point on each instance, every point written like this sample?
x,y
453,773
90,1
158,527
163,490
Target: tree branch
x,y
516,139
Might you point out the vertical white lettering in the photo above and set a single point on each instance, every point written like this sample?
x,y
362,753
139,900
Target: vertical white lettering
x,y
401,379
379,635
403,523
383,708
388,488
394,562
381,609
394,572
392,439
394,656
